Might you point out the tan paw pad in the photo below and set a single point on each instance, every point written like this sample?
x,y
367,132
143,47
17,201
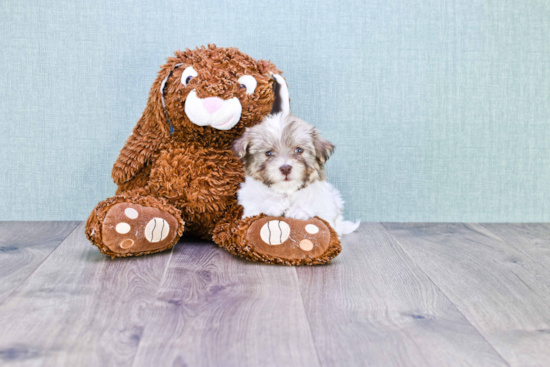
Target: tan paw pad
x,y
127,243
306,245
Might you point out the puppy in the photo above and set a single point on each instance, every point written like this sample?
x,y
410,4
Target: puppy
x,y
284,160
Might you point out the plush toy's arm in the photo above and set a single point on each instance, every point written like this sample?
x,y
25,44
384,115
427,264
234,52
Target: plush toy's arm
x,y
139,148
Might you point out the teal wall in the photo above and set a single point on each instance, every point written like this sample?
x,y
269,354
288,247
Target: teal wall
x,y
440,109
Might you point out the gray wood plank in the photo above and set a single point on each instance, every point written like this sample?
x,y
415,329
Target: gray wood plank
x,y
23,247
501,290
374,306
80,308
214,309
533,239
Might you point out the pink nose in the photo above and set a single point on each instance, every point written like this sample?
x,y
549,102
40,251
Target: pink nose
x,y
212,104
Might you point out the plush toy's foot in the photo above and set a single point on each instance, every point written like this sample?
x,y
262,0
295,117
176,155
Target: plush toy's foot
x,y
135,228
278,240
292,241
120,227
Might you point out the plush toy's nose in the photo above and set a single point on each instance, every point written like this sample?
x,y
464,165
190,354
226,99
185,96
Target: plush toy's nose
x,y
212,104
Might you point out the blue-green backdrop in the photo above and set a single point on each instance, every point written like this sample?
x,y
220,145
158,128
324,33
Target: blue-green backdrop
x,y
440,109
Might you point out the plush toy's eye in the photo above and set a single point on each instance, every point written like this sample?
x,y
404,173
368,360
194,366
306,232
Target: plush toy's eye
x,y
299,150
188,74
248,82
269,153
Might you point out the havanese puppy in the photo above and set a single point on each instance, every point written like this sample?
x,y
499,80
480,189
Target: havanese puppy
x,y
284,159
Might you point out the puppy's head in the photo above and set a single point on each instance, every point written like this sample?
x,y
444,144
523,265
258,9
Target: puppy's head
x,y
284,152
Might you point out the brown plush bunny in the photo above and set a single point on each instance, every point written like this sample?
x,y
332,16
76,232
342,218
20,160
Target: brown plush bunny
x,y
177,175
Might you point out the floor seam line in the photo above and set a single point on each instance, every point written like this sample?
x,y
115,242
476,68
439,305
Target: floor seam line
x,y
508,243
39,265
445,295
155,298
307,316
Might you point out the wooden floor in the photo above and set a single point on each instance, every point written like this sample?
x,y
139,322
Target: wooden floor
x,y
398,295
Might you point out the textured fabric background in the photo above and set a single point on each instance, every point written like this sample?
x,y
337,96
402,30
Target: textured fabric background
x,y
440,109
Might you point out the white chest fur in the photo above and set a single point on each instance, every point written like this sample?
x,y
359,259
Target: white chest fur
x,y
319,199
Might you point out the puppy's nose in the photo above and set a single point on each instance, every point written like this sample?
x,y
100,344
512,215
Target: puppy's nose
x,y
212,104
285,170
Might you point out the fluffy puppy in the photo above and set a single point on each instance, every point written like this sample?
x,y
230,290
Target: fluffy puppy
x,y
284,159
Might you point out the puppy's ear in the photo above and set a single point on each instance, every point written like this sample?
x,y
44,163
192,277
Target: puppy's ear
x,y
240,146
323,147
282,99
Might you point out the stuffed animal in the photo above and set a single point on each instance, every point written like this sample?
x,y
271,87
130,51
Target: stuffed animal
x,y
177,175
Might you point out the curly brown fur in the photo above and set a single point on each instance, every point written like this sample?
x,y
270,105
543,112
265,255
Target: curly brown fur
x,y
201,181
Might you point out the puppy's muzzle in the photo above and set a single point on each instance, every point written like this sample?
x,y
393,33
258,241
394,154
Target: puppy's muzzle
x,y
285,170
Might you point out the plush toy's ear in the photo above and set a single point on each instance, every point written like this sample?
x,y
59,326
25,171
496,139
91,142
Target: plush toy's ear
x,y
240,146
323,147
163,84
282,99
150,131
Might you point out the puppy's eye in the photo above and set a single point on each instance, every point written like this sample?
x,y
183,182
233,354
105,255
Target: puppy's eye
x,y
188,74
248,82
299,150
269,153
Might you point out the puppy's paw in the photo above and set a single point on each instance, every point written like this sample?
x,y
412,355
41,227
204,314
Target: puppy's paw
x,y
292,241
297,213
274,212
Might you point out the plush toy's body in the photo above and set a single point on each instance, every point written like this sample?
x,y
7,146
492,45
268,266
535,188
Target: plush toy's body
x,y
177,174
